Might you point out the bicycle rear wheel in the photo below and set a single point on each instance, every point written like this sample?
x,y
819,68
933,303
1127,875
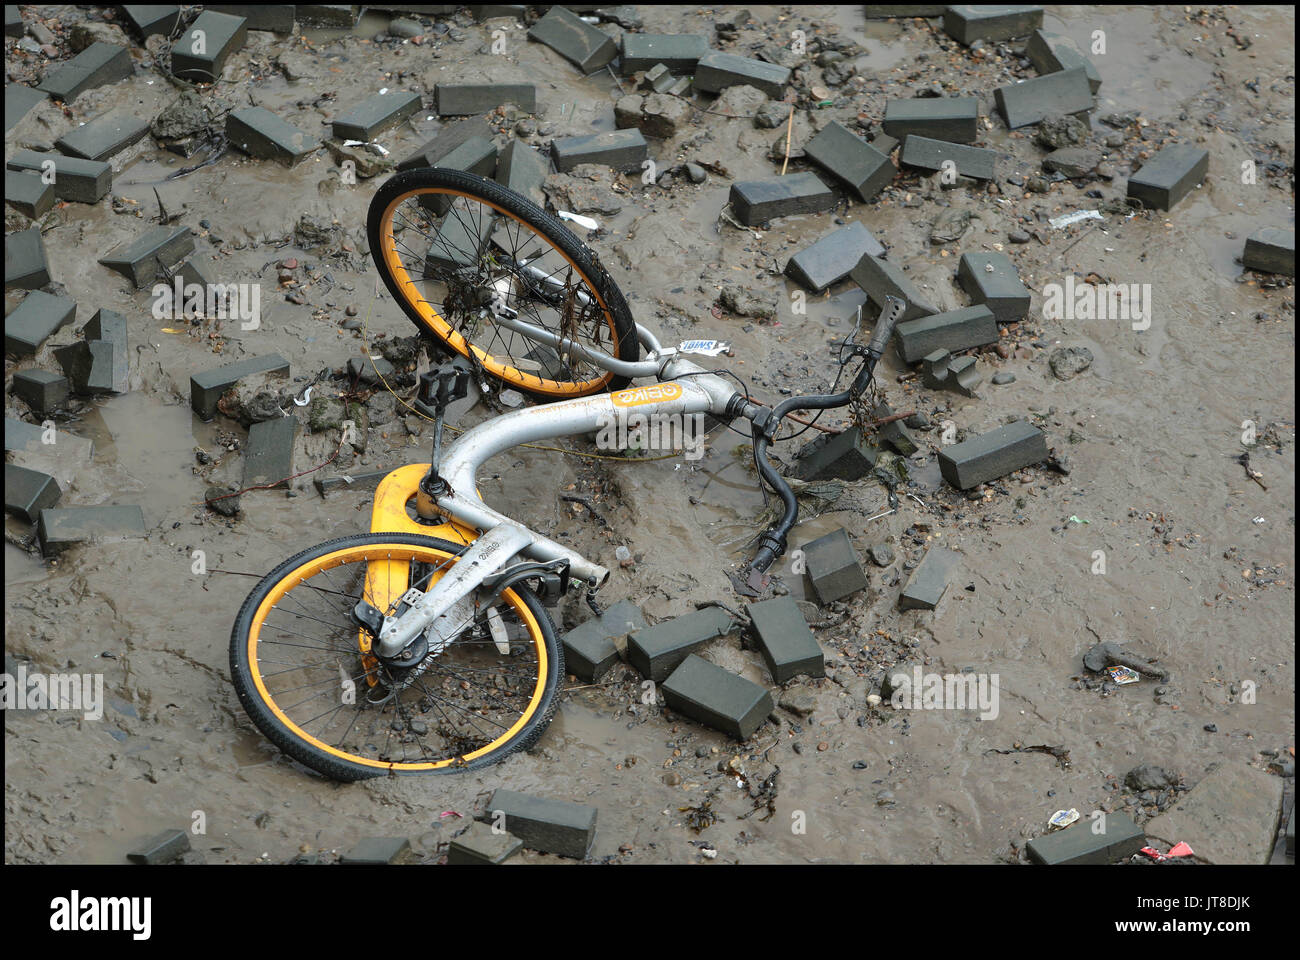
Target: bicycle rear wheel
x,y
450,244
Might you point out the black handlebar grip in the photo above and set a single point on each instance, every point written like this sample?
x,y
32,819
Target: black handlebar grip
x,y
889,317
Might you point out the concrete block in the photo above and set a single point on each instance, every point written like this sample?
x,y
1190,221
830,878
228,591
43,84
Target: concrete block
x,y
260,133
879,278
378,850
465,99
202,50
953,331
758,201
1052,53
717,698
1079,844
833,257
833,566
355,481
887,11
942,371
41,390
28,492
656,651
548,826
926,586
82,181
58,528
477,155
143,259
25,263
658,78
448,139
487,11
577,41
522,169
460,241
98,64
894,434
23,437
370,116
147,19
19,100
836,456
111,326
88,365
993,22
1270,250
1169,176
479,845
716,71
34,320
679,52
28,193
329,14
991,279
860,166
1026,103
206,388
272,17
784,639
14,26
161,848
929,154
993,454
268,455
102,137
623,150
1230,817
955,119
590,649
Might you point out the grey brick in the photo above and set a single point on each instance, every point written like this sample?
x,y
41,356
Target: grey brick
x,y
370,116
1169,176
329,14
590,648
147,19
833,257
992,455
656,651
487,11
549,826
623,150
41,390
110,326
273,17
887,11
28,193
450,137
1051,53
161,848
1119,838
477,155
929,154
579,42
377,850
207,387
758,201
19,100
222,36
879,278
1229,817
1026,103
864,169
354,481
464,99
991,21
98,64
716,71
260,133
523,170
784,639
479,844
833,566
679,52
102,137
1270,250
926,587
143,259
88,365
893,434
82,181
942,371
953,331
717,698
14,26
61,527
839,456
999,289
268,455
28,492
21,436
459,242
25,263
33,321
955,119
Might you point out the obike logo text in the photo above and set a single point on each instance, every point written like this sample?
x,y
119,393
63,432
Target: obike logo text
x,y
651,393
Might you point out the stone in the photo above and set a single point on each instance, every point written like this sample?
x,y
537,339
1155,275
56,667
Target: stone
x,y
260,133
28,492
207,388
878,277
848,455
150,19
549,826
481,845
268,455
1270,250
28,193
364,120
98,64
1072,161
758,201
861,167
953,331
25,263
41,390
1169,176
717,698
833,567
59,528
102,137
991,22
202,50
716,71
991,279
939,155
1057,130
148,256
833,257
929,581
378,850
82,181
787,645
624,150
465,99
577,41
882,554
32,322
679,53
1028,102
955,119
1089,842
1068,362
992,455
592,647
1051,53
161,848
656,651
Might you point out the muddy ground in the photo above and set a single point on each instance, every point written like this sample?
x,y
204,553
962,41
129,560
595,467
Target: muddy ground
x,y
1150,432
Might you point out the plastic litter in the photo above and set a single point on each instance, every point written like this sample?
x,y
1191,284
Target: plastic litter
x,y
1077,217
585,222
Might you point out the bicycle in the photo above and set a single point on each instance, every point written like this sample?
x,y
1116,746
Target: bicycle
x,y
439,654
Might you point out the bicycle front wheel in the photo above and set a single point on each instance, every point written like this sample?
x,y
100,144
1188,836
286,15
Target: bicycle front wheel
x,y
452,246
302,666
